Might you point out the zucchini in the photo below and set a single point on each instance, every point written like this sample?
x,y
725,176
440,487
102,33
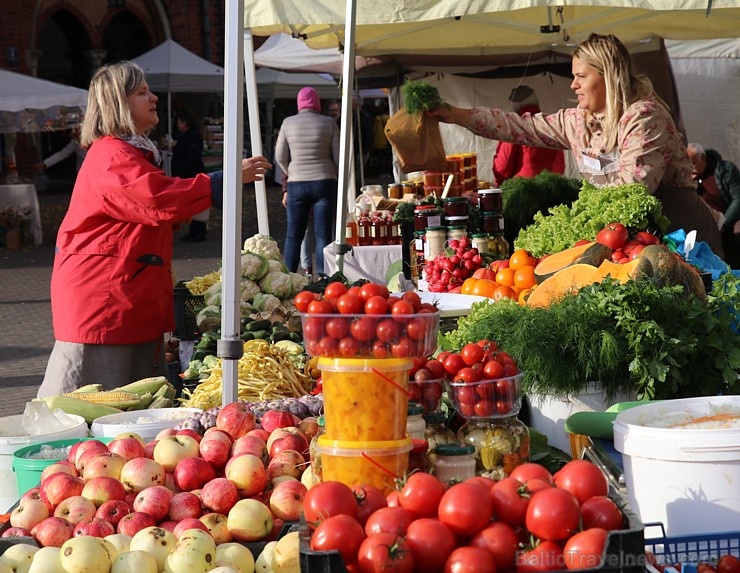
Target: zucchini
x,y
247,336
256,325
295,337
278,335
261,334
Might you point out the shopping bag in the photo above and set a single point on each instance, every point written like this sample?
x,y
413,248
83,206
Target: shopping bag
x,y
416,141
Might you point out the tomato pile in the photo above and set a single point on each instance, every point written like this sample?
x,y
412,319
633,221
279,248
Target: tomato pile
x,y
445,273
531,521
616,236
482,381
426,378
366,322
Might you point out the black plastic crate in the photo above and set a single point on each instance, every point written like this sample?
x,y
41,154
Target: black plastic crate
x,y
692,548
187,306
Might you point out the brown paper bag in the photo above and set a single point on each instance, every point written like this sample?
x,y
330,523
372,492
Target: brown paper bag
x,y
416,142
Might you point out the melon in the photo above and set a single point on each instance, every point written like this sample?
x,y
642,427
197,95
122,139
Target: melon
x,y
566,281
621,272
588,253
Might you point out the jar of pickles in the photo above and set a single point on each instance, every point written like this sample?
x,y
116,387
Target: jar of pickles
x,y
498,246
436,433
501,444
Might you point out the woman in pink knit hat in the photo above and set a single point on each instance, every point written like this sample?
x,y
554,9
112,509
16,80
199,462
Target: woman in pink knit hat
x,y
307,150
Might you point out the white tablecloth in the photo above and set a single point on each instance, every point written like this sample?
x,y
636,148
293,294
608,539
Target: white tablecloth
x,y
23,195
369,263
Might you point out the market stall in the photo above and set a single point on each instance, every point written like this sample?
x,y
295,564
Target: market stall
x,y
23,198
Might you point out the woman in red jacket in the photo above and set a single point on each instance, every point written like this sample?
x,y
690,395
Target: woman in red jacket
x,y
111,287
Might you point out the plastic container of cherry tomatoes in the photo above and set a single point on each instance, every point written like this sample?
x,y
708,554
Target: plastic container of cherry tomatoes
x,y
486,399
428,393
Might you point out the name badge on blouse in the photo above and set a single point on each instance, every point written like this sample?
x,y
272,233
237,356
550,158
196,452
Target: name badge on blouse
x,y
592,162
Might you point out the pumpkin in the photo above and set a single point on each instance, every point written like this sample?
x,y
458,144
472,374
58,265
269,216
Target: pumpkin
x,y
617,271
658,263
561,283
691,281
588,253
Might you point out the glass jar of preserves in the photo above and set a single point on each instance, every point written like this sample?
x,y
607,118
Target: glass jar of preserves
x,y
480,242
492,222
417,254
456,207
436,432
490,200
364,237
426,216
415,424
418,459
457,220
436,239
456,232
501,444
395,190
498,246
454,463
377,229
351,231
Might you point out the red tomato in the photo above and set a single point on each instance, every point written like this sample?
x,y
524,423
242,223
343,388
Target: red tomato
x,y
614,236
369,500
363,329
385,553
534,485
431,543
436,369
500,540
510,501
335,290
349,304
326,499
647,238
340,533
546,556
381,350
466,395
529,470
728,564
485,482
303,299
453,363
472,354
467,375
401,309
373,289
552,514
418,328
404,347
601,511
388,330
585,549
338,327
327,346
391,519
581,478
313,328
470,560
493,369
376,305
464,510
392,499
421,494
348,347
427,307
485,388
413,298
322,306
484,408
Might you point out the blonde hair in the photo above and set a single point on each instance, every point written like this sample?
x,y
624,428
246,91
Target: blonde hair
x,y
608,56
108,112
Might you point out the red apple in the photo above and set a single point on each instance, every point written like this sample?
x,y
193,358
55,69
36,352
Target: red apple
x,y
190,432
102,464
250,445
35,493
127,448
286,463
236,419
28,513
165,432
140,473
219,495
155,501
247,473
291,442
286,500
309,426
16,532
133,435
183,505
75,509
169,525
133,522
171,449
52,532
97,527
277,529
274,419
85,447
217,525
259,433
102,489
113,511
169,482
215,448
189,523
60,466
250,520
192,473
149,449
59,486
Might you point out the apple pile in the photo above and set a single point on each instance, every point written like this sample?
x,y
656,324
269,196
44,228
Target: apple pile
x,y
445,273
237,483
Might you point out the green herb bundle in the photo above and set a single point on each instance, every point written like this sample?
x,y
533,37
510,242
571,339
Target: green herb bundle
x,y
653,341
420,96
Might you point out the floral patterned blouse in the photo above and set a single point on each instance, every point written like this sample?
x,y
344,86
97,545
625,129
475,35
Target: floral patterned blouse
x,y
650,149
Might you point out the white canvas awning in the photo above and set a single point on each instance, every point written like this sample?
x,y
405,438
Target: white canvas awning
x,y
171,68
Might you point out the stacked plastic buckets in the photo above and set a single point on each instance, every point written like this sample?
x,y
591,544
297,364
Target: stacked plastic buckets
x,y
365,387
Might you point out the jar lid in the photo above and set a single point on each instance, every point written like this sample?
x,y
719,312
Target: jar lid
x,y
421,208
455,199
493,214
419,233
488,191
479,236
414,409
454,449
457,218
436,417
456,227
435,228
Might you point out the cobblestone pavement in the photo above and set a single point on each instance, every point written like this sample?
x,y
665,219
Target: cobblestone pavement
x,y
26,336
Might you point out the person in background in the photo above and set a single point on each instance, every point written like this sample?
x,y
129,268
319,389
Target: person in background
x,y
334,111
111,284
511,160
362,137
187,162
72,147
307,150
719,186
619,132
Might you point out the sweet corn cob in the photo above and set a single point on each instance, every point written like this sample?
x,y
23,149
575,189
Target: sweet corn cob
x,y
115,398
161,402
145,385
163,390
87,410
88,389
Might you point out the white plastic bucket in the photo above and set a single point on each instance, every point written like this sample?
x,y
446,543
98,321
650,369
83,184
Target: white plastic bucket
x,y
549,413
688,479
9,443
146,423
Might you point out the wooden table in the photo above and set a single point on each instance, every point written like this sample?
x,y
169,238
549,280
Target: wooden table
x,y
24,196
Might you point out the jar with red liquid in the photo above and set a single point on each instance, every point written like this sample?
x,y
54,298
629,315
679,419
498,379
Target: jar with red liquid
x,y
426,216
456,207
378,229
490,200
363,231
351,235
493,222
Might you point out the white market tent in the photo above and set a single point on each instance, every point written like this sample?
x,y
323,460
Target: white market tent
x,y
29,104
475,32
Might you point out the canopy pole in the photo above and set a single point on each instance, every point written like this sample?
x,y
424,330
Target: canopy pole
x,y
255,135
340,246
230,347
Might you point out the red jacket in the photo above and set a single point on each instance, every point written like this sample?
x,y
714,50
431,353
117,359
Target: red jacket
x,y
511,160
111,282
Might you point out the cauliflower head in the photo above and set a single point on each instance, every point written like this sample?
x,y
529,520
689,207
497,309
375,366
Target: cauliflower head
x,y
253,266
277,284
264,302
249,289
278,266
298,282
212,297
263,245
